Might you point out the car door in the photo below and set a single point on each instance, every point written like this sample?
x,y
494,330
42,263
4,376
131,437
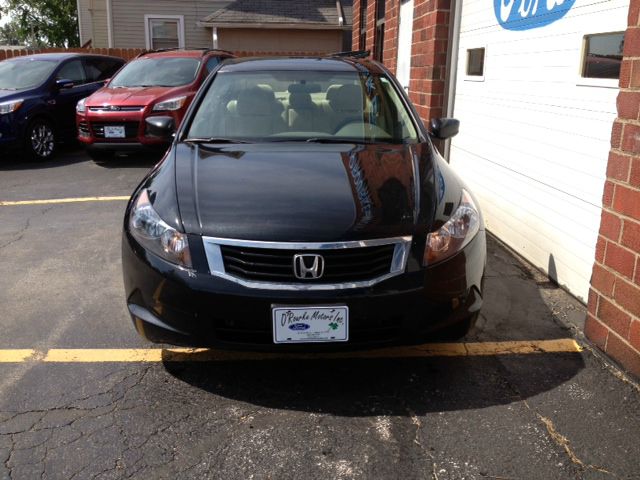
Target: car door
x,y
65,99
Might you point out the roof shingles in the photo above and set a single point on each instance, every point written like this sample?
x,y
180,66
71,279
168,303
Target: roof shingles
x,y
321,12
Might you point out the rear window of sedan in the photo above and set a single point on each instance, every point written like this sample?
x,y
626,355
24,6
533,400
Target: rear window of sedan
x,y
157,72
303,105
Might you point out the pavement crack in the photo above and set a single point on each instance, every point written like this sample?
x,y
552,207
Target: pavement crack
x,y
565,444
18,235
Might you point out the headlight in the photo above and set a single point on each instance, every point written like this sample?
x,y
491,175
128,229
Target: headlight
x,y
455,234
10,107
80,107
170,105
153,233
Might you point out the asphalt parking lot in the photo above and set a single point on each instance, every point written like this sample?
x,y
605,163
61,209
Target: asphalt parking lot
x,y
82,396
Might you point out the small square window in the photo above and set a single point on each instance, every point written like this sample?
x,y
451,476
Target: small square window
x,y
475,62
603,55
164,31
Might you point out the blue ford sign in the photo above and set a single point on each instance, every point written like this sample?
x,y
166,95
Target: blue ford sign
x,y
528,14
299,327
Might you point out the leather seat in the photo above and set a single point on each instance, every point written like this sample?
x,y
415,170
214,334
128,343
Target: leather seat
x,y
345,103
256,112
306,116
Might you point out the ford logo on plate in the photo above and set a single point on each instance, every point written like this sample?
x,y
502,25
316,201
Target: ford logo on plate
x,y
528,14
299,326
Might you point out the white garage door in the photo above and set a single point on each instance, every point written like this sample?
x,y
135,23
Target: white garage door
x,y
535,132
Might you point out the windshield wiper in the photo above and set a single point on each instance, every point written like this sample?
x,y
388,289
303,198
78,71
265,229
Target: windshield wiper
x,y
328,140
214,140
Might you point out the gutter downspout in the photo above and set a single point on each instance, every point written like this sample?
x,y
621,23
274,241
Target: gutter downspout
x,y
79,23
452,66
340,13
214,37
109,24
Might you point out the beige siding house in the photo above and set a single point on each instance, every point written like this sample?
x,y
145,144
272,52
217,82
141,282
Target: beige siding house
x,y
248,25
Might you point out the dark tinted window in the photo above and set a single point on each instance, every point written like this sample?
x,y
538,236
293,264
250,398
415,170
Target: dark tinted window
x,y
212,63
72,71
378,41
603,55
157,72
99,69
475,62
27,73
363,24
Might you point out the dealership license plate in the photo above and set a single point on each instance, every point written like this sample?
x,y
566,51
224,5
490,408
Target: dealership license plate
x,y
310,324
113,132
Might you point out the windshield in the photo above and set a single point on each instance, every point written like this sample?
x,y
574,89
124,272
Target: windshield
x,y
303,106
157,72
21,74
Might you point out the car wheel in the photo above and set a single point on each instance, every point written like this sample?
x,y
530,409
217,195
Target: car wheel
x,y
40,142
101,156
457,330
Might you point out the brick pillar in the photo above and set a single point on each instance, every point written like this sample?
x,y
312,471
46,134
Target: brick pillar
x,y
429,50
355,26
429,57
613,321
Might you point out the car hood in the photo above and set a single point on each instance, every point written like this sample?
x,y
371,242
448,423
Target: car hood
x,y
286,192
137,96
7,95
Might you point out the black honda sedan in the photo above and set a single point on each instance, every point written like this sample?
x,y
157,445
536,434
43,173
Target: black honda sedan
x,y
302,205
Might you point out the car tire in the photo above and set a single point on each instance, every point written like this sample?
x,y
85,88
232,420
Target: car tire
x,y
101,156
457,330
40,140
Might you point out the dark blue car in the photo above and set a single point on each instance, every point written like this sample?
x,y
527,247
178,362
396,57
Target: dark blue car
x,y
38,97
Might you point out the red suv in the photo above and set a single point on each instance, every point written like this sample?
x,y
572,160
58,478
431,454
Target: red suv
x,y
157,83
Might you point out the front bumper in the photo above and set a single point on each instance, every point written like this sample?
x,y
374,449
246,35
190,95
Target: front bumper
x,y
170,305
135,127
11,131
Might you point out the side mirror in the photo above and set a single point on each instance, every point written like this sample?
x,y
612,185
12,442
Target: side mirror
x,y
443,128
63,83
162,127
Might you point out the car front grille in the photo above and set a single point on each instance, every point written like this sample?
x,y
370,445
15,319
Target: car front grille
x,y
273,265
116,109
130,128
341,265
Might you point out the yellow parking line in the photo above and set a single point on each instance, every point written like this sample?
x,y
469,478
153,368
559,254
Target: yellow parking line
x,y
117,355
9,203
17,356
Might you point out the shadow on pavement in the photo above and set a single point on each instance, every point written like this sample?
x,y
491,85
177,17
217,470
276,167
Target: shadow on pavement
x,y
134,160
72,154
66,155
518,306
369,387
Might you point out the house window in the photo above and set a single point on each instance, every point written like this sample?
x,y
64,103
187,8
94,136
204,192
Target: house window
x,y
475,62
363,24
378,45
164,31
602,55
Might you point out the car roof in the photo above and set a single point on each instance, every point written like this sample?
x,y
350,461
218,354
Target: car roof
x,y
58,57
330,64
181,53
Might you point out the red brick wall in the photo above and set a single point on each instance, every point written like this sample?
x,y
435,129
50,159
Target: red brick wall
x,y
129,53
429,52
613,321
